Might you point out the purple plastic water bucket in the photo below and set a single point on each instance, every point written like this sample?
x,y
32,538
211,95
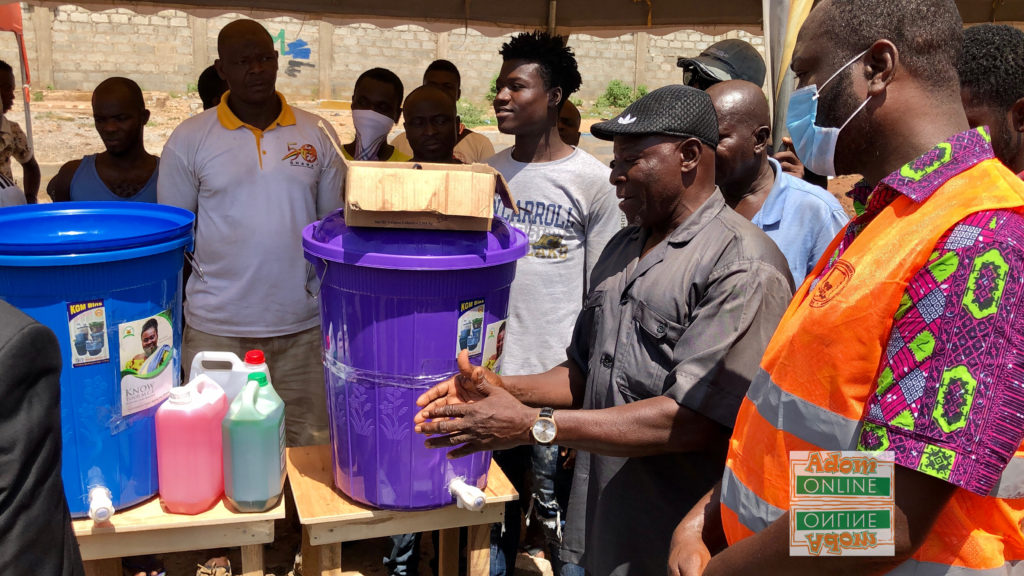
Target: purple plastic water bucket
x,y
395,307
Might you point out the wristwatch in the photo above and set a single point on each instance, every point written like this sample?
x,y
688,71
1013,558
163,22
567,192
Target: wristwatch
x,y
544,428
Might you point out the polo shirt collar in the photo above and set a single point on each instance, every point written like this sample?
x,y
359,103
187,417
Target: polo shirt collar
x,y
231,122
771,210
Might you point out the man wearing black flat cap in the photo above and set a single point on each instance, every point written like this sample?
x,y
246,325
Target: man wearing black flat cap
x,y
683,305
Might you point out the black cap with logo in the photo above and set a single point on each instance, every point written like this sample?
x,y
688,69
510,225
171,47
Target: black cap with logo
x,y
673,110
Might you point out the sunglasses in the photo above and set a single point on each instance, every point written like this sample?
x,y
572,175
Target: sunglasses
x,y
694,78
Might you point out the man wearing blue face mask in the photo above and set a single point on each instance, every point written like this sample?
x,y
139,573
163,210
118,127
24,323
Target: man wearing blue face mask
x,y
909,338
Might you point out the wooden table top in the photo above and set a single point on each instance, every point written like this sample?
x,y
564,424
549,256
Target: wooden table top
x,y
319,502
150,515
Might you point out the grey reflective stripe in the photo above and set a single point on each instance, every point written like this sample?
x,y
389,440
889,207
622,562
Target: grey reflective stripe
x,y
914,568
1011,482
753,512
805,420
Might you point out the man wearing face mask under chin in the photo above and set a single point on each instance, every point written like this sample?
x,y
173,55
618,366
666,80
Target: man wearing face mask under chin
x,y
909,338
376,107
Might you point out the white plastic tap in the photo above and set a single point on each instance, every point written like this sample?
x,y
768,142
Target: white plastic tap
x,y
466,496
101,507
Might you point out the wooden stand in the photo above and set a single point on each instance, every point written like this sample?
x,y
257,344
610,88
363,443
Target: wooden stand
x,y
329,517
148,529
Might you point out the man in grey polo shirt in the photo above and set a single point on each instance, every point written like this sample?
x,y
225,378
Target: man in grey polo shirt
x,y
683,305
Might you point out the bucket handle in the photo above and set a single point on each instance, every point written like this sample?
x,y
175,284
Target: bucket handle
x,y
195,265
319,279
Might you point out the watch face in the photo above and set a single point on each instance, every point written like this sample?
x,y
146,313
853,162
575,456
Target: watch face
x,y
544,430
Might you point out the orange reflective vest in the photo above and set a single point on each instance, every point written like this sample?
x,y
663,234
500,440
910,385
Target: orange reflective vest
x,y
820,370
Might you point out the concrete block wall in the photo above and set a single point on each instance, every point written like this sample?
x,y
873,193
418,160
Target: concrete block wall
x,y
72,48
478,60
297,43
405,50
87,47
602,60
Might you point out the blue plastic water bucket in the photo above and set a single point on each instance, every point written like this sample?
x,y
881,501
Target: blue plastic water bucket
x,y
106,278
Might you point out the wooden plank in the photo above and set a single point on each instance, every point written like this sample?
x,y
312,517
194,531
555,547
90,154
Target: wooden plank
x,y
136,543
330,560
252,560
402,523
105,567
319,502
479,546
150,516
310,555
448,553
320,560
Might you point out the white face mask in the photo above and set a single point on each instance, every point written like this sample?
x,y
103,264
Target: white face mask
x,y
372,130
814,145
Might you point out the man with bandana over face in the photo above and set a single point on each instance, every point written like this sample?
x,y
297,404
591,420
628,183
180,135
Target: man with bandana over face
x,y
908,339
376,107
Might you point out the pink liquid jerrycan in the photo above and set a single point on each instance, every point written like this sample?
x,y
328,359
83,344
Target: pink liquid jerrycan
x,y
189,448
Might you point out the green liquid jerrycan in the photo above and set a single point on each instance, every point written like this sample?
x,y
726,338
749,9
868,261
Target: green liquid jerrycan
x,y
254,447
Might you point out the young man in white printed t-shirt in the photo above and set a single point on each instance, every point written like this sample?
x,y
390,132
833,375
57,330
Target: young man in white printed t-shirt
x,y
255,171
568,209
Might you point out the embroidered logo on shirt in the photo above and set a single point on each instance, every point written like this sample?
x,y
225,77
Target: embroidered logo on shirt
x,y
627,119
832,284
304,155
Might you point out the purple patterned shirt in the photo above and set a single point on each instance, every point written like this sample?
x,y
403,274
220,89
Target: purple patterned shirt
x,y
950,386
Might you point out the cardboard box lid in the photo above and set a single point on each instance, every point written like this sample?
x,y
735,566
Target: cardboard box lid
x,y
413,186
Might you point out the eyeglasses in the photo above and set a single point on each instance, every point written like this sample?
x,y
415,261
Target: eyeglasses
x,y
694,78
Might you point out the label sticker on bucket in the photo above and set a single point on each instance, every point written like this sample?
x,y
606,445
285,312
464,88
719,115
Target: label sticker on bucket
x,y
494,345
147,353
470,327
87,324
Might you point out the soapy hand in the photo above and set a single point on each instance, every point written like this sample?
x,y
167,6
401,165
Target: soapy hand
x,y
471,410
459,389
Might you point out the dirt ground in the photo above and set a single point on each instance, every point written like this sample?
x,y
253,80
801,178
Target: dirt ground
x,y
63,129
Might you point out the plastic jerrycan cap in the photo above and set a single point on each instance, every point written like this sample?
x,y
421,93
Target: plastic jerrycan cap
x,y
254,357
180,395
259,377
